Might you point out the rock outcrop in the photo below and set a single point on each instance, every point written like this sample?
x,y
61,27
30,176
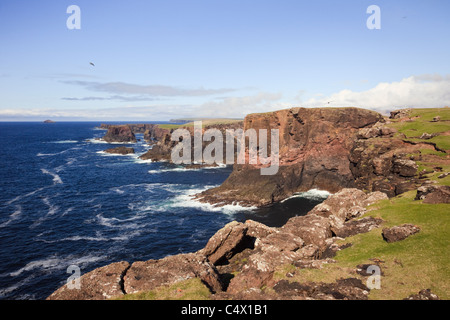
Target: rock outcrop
x,y
100,284
122,134
315,146
241,258
163,144
120,150
433,194
399,233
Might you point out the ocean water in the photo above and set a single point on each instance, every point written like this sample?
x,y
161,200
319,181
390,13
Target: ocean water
x,y
64,202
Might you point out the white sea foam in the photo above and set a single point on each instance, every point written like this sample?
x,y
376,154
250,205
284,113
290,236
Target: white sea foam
x,y
118,223
14,216
94,140
187,200
25,196
184,169
56,178
141,161
313,194
54,262
64,141
52,209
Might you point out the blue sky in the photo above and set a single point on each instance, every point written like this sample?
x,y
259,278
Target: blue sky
x,y
157,60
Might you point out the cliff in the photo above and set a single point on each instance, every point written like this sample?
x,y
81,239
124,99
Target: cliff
x,y
328,254
163,145
332,251
315,146
122,134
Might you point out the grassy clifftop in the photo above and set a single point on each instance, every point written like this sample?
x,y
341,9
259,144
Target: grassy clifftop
x,y
418,262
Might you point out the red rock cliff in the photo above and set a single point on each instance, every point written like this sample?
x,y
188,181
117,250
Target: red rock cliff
x,y
315,146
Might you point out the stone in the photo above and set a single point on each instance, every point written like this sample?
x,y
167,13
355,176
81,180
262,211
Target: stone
x,y
425,294
399,233
280,241
151,274
313,229
436,119
433,194
226,242
120,150
354,227
374,197
100,284
401,113
405,168
426,136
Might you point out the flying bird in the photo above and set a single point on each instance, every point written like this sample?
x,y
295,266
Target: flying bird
x,y
92,64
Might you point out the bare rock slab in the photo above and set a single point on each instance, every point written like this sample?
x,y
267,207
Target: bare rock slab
x,y
100,284
151,274
399,233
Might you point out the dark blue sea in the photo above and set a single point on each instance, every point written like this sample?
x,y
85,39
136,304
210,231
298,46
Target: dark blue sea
x,y
64,202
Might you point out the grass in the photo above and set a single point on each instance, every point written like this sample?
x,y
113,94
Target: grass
x,y
418,262
192,289
421,122
205,123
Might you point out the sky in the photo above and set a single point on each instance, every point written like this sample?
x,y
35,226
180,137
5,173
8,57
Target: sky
x,y
156,60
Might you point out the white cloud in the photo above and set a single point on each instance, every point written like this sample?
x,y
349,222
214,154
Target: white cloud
x,y
150,90
423,91
239,107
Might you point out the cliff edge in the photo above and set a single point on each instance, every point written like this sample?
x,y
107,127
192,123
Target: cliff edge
x,y
315,146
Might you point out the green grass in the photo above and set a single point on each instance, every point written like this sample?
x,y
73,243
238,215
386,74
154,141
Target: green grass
x,y
205,123
418,262
421,122
192,289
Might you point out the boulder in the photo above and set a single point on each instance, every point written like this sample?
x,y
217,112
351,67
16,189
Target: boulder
x,y
433,194
313,229
228,241
401,113
405,168
280,241
436,119
151,274
374,197
258,230
100,284
399,233
120,150
354,227
342,205
425,294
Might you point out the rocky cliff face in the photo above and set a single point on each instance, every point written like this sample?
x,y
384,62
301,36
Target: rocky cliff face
x,y
315,146
163,145
121,134
251,252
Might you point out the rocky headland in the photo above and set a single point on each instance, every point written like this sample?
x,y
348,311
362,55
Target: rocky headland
x,y
120,134
389,210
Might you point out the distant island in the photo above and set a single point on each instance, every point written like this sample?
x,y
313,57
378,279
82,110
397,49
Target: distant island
x,y
49,121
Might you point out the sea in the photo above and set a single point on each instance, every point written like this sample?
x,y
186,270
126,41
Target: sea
x,y
65,202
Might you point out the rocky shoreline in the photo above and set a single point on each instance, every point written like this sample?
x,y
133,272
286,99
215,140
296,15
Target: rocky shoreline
x,y
240,260
251,248
356,154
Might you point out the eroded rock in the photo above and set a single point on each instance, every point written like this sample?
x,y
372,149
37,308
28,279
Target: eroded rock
x,y
100,284
148,275
399,233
